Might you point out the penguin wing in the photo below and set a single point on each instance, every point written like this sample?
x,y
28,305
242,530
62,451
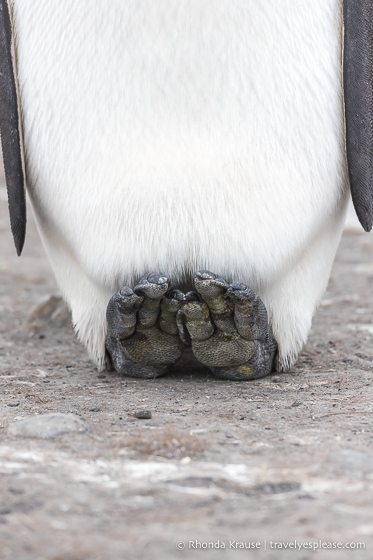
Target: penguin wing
x,y
358,94
11,130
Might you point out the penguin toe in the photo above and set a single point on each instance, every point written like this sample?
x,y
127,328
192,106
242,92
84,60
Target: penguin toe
x,y
170,305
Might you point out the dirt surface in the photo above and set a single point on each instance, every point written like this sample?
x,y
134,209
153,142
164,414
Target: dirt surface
x,y
273,461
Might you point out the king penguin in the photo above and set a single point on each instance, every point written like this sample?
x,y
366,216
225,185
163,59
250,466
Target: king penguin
x,y
189,165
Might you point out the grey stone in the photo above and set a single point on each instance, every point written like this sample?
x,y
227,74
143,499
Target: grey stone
x,y
230,436
353,460
47,426
143,414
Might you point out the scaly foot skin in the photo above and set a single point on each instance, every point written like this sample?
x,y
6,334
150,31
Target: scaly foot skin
x,y
142,338
228,329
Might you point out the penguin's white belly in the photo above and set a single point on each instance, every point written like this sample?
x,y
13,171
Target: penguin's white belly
x,y
172,136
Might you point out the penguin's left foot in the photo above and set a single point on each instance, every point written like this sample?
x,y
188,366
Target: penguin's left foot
x,y
228,329
142,338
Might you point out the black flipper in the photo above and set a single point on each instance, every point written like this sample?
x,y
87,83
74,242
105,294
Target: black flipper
x,y
358,93
11,130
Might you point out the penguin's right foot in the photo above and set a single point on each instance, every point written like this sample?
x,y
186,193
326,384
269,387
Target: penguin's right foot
x,y
227,327
142,338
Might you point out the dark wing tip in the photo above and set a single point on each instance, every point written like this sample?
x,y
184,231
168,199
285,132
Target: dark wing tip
x,y
367,222
367,226
364,212
15,182
18,228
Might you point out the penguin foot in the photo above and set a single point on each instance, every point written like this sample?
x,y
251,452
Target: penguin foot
x,y
228,329
142,338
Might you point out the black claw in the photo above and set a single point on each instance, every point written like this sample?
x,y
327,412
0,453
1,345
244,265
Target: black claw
x,y
156,278
239,286
206,280
206,274
240,292
126,291
192,296
176,294
152,286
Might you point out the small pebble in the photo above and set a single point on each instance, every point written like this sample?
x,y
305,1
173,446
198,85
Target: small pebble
x,y
95,409
230,436
143,414
14,403
16,490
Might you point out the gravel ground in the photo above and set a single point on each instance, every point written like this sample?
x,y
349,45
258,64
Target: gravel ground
x,y
277,462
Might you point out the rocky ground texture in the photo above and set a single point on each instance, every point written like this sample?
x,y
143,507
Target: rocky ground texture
x,y
273,461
